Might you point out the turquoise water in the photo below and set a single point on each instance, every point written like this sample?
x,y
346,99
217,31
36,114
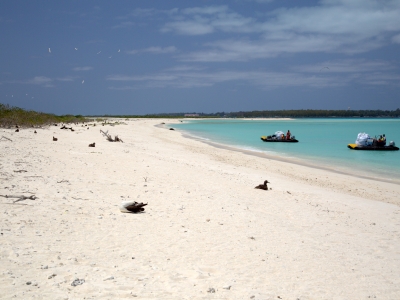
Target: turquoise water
x,y
322,142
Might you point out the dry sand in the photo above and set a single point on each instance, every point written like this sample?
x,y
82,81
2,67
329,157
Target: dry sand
x,y
206,232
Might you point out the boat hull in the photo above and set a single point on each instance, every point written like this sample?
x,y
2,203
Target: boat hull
x,y
372,148
269,140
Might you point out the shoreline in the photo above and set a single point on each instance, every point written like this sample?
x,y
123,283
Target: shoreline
x,y
379,176
296,161
206,230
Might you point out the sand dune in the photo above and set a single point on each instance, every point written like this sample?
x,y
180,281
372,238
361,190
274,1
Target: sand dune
x,y
206,233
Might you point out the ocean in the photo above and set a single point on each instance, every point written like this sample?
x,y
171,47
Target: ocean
x,y
322,142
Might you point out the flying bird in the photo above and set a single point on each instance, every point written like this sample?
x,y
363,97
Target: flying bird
x,y
83,81
119,50
324,68
99,52
76,48
49,50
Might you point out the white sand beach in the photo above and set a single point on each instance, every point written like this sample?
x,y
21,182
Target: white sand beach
x,y
206,233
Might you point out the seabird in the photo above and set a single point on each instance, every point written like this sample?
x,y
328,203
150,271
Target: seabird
x,y
263,186
131,206
49,50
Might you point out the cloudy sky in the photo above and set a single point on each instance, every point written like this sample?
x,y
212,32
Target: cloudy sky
x,y
155,56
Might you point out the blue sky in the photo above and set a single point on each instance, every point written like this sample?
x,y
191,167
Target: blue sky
x,y
143,57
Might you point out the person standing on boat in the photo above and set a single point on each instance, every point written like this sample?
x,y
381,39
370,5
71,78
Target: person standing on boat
x,y
288,135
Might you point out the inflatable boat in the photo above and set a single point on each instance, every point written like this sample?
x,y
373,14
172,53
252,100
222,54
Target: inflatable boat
x,y
376,148
365,142
275,140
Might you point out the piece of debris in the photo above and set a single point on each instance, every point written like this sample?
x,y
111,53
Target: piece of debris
x,y
211,290
20,197
109,278
132,206
3,137
171,128
78,281
92,145
263,186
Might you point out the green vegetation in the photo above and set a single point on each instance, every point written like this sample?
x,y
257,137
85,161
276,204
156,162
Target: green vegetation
x,y
11,116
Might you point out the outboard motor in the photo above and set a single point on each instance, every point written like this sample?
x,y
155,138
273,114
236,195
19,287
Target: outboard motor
x,y
293,137
392,144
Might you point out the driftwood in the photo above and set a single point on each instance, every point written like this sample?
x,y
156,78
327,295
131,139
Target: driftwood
x,y
3,137
20,197
109,137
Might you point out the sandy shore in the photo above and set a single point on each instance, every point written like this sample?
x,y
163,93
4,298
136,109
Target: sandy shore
x,y
206,232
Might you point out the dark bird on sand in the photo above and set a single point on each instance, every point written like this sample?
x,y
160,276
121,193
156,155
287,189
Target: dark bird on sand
x,y
92,145
17,130
171,129
35,131
132,206
55,139
263,186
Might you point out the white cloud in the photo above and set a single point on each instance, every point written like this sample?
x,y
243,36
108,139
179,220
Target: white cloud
x,y
206,20
338,73
354,66
125,24
332,26
396,39
154,50
82,68
41,80
67,78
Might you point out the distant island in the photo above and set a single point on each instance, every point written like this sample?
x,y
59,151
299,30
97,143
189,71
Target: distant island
x,y
10,116
292,113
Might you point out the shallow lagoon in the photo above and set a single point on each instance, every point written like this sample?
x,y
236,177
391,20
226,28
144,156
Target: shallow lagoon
x,y
322,142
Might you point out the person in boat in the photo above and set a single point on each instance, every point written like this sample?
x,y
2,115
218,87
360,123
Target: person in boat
x,y
381,141
288,135
282,136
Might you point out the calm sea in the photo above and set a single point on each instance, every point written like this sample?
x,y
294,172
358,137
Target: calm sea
x,y
322,142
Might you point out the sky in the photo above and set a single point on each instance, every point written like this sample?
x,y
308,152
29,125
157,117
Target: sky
x,y
156,56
